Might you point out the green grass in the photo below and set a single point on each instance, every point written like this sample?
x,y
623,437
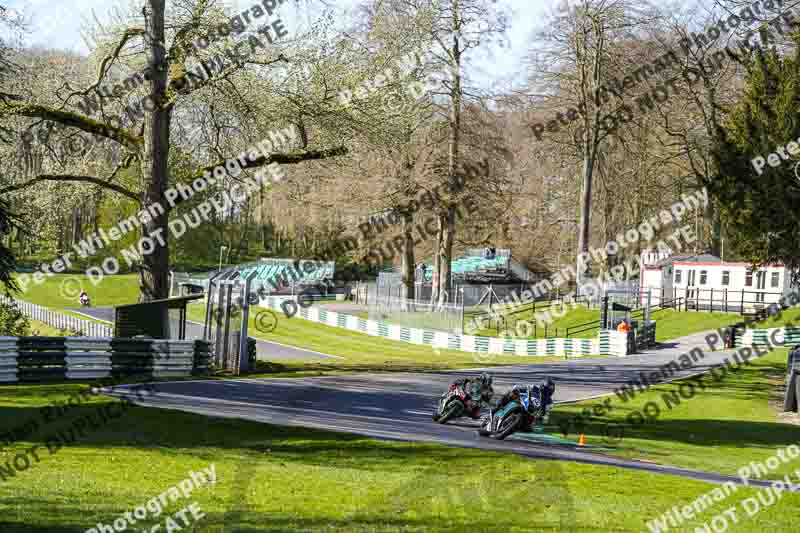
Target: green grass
x,y
720,429
273,479
362,351
788,315
61,291
671,324
40,329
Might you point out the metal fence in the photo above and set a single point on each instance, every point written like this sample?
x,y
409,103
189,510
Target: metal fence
x,y
417,314
691,298
728,301
178,280
390,285
85,328
622,292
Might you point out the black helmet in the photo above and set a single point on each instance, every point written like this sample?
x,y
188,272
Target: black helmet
x,y
549,387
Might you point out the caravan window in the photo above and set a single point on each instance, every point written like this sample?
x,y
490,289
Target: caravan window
x,y
776,277
748,278
677,276
703,277
726,277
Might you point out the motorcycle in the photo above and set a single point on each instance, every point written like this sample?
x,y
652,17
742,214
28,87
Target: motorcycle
x,y
85,302
517,415
452,404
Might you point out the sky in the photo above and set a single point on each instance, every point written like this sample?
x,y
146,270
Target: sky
x,y
58,24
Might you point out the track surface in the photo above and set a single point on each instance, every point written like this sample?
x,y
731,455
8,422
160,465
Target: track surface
x,y
398,406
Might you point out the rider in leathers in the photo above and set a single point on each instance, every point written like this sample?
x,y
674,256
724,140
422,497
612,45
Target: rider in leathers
x,y
547,388
478,390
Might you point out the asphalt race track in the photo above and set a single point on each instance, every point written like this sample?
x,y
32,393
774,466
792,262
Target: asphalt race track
x,y
398,406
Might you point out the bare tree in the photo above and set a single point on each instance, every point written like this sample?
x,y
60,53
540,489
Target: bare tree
x,y
166,54
572,69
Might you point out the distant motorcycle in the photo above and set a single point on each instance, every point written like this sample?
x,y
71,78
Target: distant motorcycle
x,y
452,404
521,412
458,401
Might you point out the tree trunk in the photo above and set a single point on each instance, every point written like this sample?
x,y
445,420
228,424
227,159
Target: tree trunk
x,y
407,259
445,232
154,274
715,229
446,219
586,209
590,148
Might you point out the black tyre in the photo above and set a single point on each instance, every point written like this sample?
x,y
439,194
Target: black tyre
x,y
507,426
790,399
435,416
451,410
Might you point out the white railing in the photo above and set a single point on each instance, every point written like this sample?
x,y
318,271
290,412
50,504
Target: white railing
x,y
86,328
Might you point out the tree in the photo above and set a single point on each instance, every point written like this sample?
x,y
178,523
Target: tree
x,y
455,28
758,199
572,67
166,59
8,221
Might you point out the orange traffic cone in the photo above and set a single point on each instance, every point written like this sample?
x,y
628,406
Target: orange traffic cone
x,y
582,440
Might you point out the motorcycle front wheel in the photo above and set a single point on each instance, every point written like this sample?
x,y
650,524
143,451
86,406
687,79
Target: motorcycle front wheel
x,y
507,426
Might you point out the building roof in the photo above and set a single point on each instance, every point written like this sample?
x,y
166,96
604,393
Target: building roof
x,y
704,260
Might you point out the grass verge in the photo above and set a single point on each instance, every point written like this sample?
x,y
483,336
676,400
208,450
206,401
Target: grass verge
x,y
273,479
362,352
733,421
671,324
61,291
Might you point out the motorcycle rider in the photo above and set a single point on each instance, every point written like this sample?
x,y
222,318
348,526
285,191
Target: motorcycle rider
x,y
478,390
545,392
84,299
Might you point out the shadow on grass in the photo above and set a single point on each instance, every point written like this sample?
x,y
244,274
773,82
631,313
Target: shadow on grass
x,y
721,408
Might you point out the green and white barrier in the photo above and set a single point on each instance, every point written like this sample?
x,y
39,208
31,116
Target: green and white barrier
x,y
607,343
769,337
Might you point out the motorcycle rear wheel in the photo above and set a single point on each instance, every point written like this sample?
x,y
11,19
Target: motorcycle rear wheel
x,y
451,410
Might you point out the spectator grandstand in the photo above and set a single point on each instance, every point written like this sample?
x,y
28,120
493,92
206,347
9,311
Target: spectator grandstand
x,y
275,275
486,266
282,275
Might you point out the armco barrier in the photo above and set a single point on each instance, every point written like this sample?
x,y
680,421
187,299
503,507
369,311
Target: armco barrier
x,y
34,359
607,343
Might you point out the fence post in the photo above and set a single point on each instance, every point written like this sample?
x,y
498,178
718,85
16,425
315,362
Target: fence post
x,y
710,309
741,306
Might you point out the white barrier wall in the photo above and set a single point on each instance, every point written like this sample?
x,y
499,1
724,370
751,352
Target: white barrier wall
x,y
607,343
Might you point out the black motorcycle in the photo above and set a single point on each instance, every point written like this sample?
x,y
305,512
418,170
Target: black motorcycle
x,y
528,407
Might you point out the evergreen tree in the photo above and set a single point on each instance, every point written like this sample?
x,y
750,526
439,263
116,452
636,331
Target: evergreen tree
x,y
760,207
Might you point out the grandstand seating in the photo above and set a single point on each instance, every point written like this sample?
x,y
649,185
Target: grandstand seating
x,y
272,271
475,265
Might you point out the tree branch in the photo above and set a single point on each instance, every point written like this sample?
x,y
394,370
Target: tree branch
x,y
292,158
105,65
68,177
68,118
